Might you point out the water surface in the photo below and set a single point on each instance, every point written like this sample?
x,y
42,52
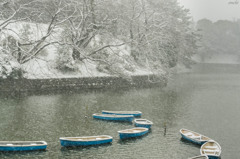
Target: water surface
x,y
205,100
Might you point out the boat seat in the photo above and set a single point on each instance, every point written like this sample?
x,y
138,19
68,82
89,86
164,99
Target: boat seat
x,y
210,150
211,147
196,137
136,131
33,144
9,144
189,133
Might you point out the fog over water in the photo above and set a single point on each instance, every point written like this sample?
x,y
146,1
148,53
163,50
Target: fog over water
x,y
219,36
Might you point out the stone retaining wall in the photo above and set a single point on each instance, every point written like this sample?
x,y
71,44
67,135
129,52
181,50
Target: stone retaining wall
x,y
22,85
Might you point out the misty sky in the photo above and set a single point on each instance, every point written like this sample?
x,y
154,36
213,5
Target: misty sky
x,y
213,9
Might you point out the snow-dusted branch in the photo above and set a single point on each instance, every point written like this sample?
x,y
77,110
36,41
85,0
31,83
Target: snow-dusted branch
x,y
104,47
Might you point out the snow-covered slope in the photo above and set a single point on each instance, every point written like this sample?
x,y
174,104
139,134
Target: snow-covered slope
x,y
44,65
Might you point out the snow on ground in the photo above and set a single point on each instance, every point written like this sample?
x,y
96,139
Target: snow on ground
x,y
38,68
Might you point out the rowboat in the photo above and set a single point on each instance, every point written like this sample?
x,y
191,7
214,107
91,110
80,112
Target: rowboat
x,y
193,136
212,149
131,133
22,145
134,113
114,117
143,123
85,140
199,157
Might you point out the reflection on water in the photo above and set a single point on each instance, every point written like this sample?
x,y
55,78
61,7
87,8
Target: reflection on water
x,y
205,100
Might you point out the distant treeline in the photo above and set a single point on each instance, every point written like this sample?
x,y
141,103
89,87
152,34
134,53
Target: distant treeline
x,y
221,37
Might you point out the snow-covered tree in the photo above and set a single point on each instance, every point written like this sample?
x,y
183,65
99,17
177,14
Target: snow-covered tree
x,y
117,36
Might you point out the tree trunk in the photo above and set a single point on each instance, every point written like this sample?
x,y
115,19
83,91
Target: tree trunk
x,y
76,54
19,52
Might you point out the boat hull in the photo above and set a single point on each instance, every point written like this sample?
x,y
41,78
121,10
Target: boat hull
x,y
127,118
192,140
23,148
84,143
194,137
134,114
200,157
132,135
212,149
143,125
213,157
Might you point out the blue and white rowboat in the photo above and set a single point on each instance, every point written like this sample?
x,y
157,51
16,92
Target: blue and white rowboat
x,y
212,149
22,145
143,123
193,137
199,157
131,133
134,113
85,140
113,117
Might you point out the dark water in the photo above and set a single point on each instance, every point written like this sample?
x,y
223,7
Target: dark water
x,y
206,100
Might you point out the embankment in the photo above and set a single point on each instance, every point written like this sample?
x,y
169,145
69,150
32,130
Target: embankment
x,y
28,85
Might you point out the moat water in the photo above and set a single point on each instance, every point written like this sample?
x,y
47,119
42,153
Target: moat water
x,y
205,100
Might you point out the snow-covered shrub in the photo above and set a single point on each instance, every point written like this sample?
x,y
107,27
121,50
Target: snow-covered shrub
x,y
9,67
65,61
115,59
116,65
